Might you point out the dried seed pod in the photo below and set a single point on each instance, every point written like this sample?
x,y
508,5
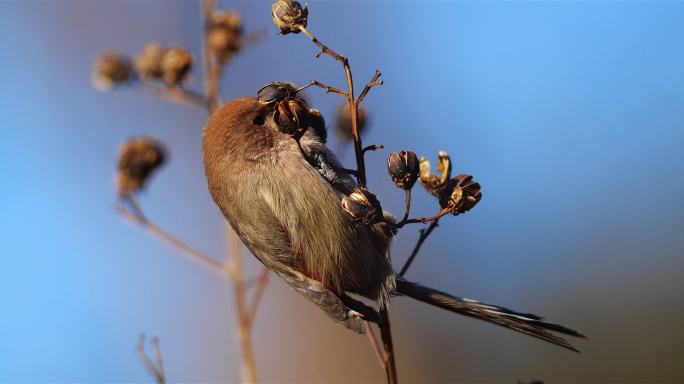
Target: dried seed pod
x,y
176,65
363,206
111,69
138,158
317,124
224,34
343,123
460,194
275,92
403,169
226,19
148,63
433,183
292,117
289,16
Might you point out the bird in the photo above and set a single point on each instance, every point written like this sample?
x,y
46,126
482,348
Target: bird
x,y
269,171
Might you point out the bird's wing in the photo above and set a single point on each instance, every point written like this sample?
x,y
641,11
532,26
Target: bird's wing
x,y
326,163
325,299
278,254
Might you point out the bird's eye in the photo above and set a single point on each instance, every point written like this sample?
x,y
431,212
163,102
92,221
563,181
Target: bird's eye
x,y
274,92
259,119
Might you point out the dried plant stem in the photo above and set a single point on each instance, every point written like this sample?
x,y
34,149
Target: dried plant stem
x,y
390,367
211,66
158,357
386,333
261,284
374,343
175,95
373,147
235,271
358,147
407,206
188,96
424,233
327,88
156,369
424,220
234,267
139,218
372,83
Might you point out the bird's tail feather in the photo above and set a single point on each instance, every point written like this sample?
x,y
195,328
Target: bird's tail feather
x,y
526,323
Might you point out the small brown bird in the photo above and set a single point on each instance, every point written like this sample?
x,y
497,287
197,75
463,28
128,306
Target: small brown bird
x,y
276,183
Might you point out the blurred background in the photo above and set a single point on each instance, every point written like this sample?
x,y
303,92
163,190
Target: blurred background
x,y
568,113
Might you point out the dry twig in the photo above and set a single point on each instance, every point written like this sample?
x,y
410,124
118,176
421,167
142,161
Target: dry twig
x,y
234,268
155,368
424,233
353,107
374,344
245,330
136,216
177,95
390,366
259,289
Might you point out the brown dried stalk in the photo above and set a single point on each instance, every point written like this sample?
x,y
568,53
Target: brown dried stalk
x,y
328,88
372,83
407,204
177,95
385,331
374,344
213,72
424,233
235,270
136,216
259,289
442,212
232,268
156,369
358,147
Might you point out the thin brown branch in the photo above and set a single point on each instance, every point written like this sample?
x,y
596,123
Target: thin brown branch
x,y
155,370
372,83
235,270
424,233
407,206
137,217
174,95
353,107
259,289
356,135
328,89
156,350
424,220
373,147
386,334
188,96
372,339
234,267
211,66
345,170
323,47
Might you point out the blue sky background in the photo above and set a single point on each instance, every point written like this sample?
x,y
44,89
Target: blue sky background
x,y
569,114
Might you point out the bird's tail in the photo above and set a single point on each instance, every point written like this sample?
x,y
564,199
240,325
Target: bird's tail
x,y
526,323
